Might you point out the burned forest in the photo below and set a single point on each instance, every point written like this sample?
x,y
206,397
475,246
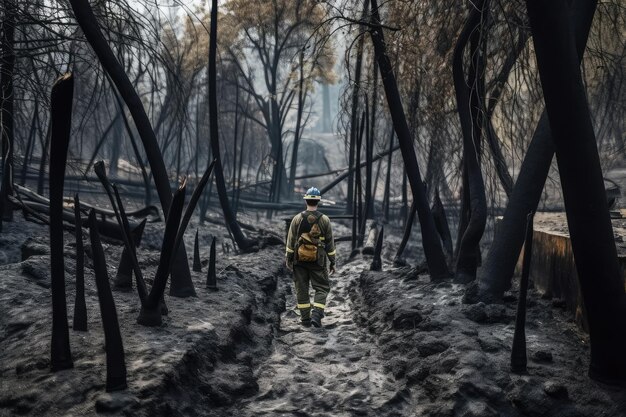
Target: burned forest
x,y
313,208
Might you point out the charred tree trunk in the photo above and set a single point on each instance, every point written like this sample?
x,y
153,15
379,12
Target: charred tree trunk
x,y
116,366
297,134
496,273
30,146
587,209
468,108
441,223
377,262
60,127
7,98
211,278
124,276
233,179
91,29
369,150
358,187
116,144
387,196
279,184
124,226
399,258
242,241
150,314
240,171
518,351
354,113
197,265
432,245
80,308
42,163
404,209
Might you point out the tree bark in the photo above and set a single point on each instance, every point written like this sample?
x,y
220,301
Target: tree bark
x,y
587,209
430,238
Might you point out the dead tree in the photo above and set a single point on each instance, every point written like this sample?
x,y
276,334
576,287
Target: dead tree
x,y
432,244
197,266
116,366
124,276
61,125
7,98
80,308
298,130
387,195
377,262
358,186
354,114
369,148
91,29
179,287
245,244
211,278
150,314
399,260
441,223
473,184
496,272
588,219
122,221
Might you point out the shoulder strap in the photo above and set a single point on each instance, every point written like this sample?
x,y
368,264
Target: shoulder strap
x,y
304,217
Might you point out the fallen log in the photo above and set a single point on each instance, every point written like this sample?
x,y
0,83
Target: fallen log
x,y
148,211
106,228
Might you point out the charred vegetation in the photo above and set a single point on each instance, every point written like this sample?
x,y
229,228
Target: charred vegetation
x,y
428,131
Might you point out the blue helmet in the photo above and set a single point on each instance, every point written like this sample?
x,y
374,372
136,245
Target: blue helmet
x,y
313,194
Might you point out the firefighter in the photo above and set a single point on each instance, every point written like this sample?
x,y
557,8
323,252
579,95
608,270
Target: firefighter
x,y
311,256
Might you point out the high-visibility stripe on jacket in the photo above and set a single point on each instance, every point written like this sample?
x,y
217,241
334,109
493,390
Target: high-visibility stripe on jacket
x,y
326,234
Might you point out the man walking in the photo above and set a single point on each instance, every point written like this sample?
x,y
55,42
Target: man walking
x,y
309,245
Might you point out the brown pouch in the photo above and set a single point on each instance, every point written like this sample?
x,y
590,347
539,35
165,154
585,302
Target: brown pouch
x,y
307,248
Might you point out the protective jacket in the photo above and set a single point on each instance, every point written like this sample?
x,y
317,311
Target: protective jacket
x,y
316,223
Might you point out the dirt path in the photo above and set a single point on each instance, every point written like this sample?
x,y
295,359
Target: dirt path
x,y
334,371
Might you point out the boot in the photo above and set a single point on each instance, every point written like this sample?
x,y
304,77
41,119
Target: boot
x,y
305,316
316,317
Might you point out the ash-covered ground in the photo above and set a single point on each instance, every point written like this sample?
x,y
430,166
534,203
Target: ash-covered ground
x,y
393,344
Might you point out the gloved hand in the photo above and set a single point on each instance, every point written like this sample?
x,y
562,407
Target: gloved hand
x,y
332,269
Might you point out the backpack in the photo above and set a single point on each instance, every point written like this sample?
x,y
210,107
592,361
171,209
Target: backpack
x,y
307,243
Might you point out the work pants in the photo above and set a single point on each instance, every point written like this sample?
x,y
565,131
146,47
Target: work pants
x,y
304,274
